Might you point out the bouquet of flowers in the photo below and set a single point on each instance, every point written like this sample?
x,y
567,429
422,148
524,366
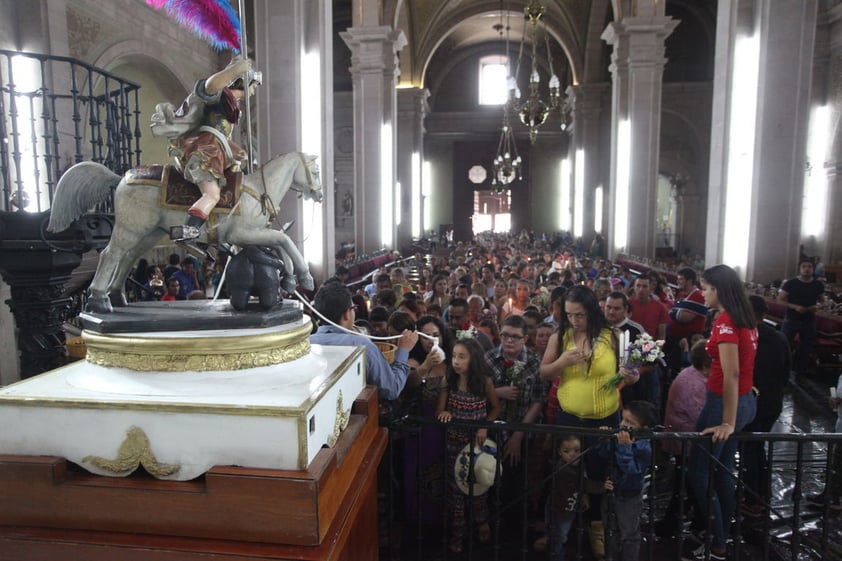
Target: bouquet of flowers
x,y
541,298
468,331
514,369
642,352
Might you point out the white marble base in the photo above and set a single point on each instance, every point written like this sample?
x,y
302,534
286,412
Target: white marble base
x,y
274,417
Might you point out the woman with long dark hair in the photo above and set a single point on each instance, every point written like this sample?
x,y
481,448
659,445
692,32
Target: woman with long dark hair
x,y
438,293
424,364
428,362
582,354
730,403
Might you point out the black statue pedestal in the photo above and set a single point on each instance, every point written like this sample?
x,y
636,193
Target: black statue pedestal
x,y
189,315
36,266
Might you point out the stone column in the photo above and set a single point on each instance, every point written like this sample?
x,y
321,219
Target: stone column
x,y
412,108
830,74
374,67
786,34
586,103
286,29
637,65
833,250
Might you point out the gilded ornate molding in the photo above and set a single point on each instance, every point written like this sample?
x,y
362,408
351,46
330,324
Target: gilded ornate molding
x,y
133,452
340,422
198,354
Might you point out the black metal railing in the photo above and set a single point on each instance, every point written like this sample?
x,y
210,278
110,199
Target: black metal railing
x,y
58,111
414,493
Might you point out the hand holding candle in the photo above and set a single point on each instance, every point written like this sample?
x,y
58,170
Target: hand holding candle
x,y
624,344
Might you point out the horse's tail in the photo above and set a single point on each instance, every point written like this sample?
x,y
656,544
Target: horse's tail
x,y
80,188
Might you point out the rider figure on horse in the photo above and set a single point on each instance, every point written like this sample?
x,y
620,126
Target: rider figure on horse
x,y
200,137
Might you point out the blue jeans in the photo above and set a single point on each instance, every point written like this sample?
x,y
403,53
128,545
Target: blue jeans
x,y
557,531
702,463
622,543
597,468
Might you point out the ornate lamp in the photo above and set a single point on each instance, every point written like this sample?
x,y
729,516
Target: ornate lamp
x,y
506,164
533,111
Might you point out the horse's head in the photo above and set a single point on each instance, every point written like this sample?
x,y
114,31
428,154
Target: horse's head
x,y
307,176
295,171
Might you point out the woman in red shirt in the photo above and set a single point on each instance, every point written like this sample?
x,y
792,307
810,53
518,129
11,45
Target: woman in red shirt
x,y
729,404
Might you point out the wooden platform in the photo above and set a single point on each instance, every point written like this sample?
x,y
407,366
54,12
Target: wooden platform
x,y
55,511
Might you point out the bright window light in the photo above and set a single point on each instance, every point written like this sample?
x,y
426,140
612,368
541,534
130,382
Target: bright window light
x,y
426,208
597,209
621,200
398,209
27,77
813,218
740,171
27,74
416,195
311,143
564,222
482,223
493,73
386,187
502,223
579,195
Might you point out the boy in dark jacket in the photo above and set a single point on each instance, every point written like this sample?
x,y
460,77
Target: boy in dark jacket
x,y
632,456
565,500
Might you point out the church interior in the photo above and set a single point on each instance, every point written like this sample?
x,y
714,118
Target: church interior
x,y
667,132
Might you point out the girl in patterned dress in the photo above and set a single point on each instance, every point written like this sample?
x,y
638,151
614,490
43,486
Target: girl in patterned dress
x,y
468,396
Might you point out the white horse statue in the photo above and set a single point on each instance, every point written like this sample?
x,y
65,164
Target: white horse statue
x,y
140,221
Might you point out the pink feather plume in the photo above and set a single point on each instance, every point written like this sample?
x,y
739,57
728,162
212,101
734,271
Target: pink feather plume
x,y
213,20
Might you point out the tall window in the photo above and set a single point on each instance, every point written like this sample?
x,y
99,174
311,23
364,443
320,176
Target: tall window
x,y
493,73
492,212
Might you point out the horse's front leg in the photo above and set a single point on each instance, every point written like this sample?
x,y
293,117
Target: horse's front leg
x,y
288,283
302,270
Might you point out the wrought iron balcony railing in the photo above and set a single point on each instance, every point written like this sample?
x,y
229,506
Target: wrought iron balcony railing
x,y
57,111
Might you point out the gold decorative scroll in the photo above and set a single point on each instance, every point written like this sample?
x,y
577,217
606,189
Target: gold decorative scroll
x,y
135,451
341,421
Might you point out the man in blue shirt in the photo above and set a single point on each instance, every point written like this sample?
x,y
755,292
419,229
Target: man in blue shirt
x,y
187,279
333,301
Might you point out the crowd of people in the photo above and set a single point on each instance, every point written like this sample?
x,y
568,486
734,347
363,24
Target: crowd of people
x,y
525,330
181,278
530,330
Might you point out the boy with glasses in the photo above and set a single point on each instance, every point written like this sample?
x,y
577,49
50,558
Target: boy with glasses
x,y
522,394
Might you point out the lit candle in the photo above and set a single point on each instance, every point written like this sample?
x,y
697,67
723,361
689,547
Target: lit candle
x,y
368,304
624,343
510,303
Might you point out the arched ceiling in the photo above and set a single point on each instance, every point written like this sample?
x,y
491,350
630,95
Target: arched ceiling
x,y
440,27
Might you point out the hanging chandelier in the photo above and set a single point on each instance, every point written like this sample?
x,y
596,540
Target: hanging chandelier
x,y
506,165
533,112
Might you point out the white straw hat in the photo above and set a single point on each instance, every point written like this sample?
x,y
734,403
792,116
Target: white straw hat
x,y
485,467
